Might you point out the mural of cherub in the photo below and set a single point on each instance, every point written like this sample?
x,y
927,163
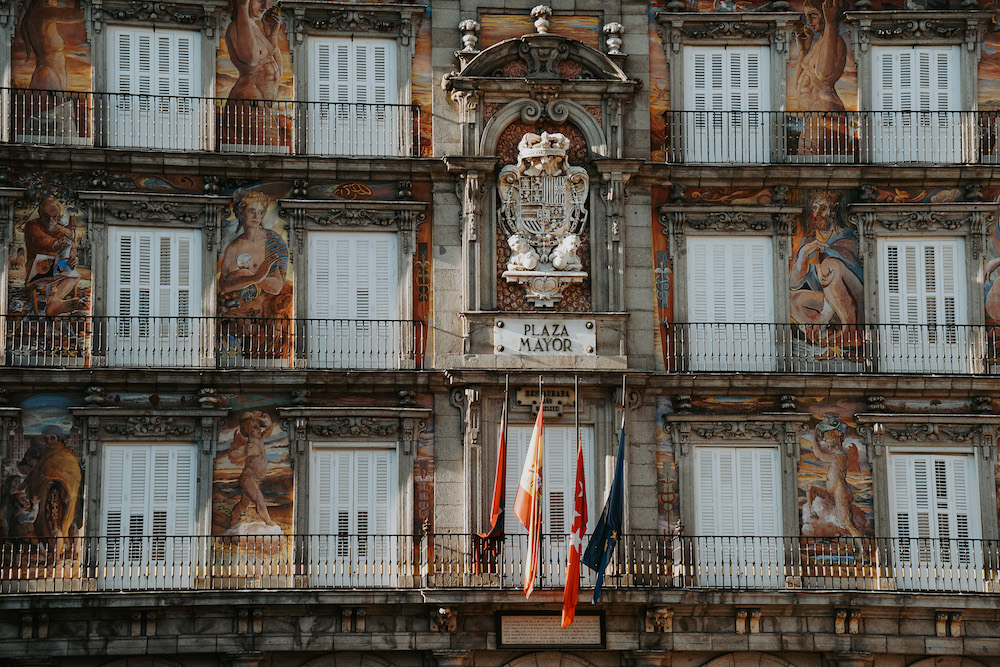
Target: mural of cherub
x,y
522,256
248,447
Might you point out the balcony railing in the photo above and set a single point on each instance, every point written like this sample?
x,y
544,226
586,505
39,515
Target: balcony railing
x,y
175,123
864,348
212,342
144,562
857,137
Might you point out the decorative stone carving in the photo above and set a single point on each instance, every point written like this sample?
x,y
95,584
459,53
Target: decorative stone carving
x,y
659,619
614,32
152,211
543,209
150,426
541,14
737,430
470,35
444,619
355,426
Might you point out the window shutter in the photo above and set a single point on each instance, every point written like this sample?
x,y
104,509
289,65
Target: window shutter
x,y
518,438
726,78
352,492
558,481
155,272
737,491
353,275
353,70
933,497
154,62
922,281
748,297
916,78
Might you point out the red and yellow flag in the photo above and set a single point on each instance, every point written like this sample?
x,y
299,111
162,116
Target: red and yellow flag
x,y
528,504
577,532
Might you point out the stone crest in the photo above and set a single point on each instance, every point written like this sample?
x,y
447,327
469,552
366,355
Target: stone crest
x,y
543,210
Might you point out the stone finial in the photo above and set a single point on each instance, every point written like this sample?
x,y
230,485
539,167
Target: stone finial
x,y
470,35
541,14
614,32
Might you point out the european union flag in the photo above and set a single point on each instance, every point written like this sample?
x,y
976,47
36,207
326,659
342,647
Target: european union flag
x,y
609,526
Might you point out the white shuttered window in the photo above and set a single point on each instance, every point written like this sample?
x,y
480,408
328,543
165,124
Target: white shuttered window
x,y
154,296
147,505
353,515
353,300
738,505
922,304
155,83
352,86
730,303
936,521
916,91
728,87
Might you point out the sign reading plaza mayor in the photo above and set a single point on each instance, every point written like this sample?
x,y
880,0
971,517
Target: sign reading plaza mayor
x,y
530,335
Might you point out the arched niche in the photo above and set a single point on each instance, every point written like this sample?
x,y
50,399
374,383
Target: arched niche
x,y
531,111
347,660
748,659
549,659
947,661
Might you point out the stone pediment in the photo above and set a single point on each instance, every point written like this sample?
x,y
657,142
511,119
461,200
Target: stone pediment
x,y
543,56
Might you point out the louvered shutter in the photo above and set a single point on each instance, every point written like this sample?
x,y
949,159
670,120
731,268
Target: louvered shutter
x,y
155,286
730,303
353,275
558,476
936,521
737,491
730,279
922,282
729,88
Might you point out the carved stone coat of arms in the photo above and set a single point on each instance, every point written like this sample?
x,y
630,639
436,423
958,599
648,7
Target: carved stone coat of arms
x,y
543,210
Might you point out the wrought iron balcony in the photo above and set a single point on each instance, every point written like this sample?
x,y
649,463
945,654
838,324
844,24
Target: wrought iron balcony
x,y
174,123
855,137
461,561
212,342
857,348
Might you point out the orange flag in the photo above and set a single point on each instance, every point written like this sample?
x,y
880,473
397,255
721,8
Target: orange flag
x,y
528,504
577,532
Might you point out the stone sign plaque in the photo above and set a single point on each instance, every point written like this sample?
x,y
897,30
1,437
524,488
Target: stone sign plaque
x,y
556,398
544,336
533,630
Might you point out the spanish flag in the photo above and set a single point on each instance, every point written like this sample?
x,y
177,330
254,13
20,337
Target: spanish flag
x,y
528,504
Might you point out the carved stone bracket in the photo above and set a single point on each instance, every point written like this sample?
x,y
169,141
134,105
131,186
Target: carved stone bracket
x,y
471,189
99,422
907,26
783,428
127,208
973,219
937,431
400,216
615,175
397,20
467,400
180,13
680,219
9,418
678,28
402,424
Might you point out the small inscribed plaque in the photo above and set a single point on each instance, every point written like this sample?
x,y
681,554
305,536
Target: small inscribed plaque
x,y
530,630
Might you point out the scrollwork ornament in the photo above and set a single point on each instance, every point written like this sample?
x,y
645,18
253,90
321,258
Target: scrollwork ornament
x,y
737,430
155,426
355,426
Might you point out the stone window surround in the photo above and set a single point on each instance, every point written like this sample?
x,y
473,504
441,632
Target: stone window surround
x,y
394,427
941,433
766,429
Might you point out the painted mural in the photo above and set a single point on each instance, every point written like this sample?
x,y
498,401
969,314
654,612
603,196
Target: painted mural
x,y
254,75
252,482
498,27
835,477
41,492
826,280
50,55
254,279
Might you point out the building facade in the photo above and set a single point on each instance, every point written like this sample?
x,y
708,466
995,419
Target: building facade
x,y
272,274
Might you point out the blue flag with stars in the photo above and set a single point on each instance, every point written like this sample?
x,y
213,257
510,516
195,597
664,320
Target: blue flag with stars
x,y
609,526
